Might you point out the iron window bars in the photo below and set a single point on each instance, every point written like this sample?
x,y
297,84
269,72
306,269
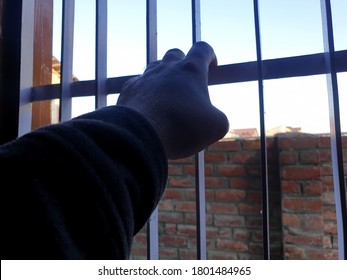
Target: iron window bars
x,y
17,51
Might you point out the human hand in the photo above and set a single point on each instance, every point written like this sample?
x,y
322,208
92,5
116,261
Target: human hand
x,y
173,95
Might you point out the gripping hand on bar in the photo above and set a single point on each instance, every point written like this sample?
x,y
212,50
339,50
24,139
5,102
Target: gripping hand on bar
x,y
173,95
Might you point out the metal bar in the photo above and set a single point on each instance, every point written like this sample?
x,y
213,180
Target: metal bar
x,y
297,66
200,205
263,151
17,68
196,20
335,129
66,59
101,54
27,62
151,51
151,31
199,158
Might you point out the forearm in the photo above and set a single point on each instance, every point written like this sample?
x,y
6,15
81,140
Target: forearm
x,y
84,187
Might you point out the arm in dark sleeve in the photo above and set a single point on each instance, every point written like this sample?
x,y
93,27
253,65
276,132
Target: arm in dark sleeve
x,y
80,189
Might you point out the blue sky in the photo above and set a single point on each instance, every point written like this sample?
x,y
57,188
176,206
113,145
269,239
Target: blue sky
x,y
288,28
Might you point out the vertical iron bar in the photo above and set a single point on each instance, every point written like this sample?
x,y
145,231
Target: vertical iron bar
x,y
66,59
264,168
335,129
101,54
199,158
27,62
151,53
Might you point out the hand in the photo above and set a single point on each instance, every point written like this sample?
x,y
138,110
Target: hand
x,y
173,95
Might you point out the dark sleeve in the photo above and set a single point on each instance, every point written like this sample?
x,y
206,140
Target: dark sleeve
x,y
80,189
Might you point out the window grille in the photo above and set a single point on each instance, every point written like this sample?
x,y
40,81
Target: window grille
x,y
18,92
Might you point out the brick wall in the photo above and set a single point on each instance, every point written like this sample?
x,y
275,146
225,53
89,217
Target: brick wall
x,y
302,210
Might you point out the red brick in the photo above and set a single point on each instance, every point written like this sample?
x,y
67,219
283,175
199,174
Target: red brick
x,y
254,222
235,246
331,254
217,255
231,170
294,253
175,170
324,142
256,248
300,173
327,183
244,157
288,157
313,222
255,197
328,198
168,253
344,142
290,220
166,205
309,157
186,206
329,214
313,188
251,144
190,218
187,254
327,242
173,241
298,141
170,229
226,146
326,170
171,193
301,205
182,181
229,195
247,209
315,254
140,238
211,232
191,170
209,195
309,240
238,182
170,217
253,170
241,234
215,182
221,208
228,220
186,230
257,236
138,253
291,187
215,157
325,156
330,228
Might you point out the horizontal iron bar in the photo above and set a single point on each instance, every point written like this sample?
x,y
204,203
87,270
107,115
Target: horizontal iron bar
x,y
296,66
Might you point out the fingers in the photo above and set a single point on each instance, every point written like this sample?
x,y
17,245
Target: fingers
x,y
173,55
152,65
200,56
203,53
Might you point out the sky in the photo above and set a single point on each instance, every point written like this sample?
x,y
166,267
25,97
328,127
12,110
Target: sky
x,y
288,28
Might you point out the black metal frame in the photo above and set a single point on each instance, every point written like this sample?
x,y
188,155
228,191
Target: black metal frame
x,y
17,94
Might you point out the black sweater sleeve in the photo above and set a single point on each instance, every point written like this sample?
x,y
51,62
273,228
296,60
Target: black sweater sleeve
x,y
80,189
